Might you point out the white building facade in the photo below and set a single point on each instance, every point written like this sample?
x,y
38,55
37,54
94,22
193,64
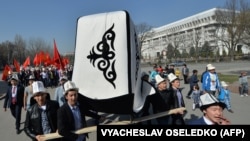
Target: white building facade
x,y
189,32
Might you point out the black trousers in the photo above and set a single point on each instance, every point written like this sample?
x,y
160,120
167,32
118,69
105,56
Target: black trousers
x,y
185,79
16,111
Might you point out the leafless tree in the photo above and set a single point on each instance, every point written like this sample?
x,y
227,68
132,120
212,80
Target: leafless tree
x,y
195,41
20,49
232,25
144,31
36,45
176,41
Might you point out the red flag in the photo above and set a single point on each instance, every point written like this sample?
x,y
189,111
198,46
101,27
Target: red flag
x,y
36,60
47,60
5,72
65,61
57,58
16,64
26,62
42,57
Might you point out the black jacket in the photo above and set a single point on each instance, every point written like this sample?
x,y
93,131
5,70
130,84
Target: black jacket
x,y
66,122
19,96
33,125
177,119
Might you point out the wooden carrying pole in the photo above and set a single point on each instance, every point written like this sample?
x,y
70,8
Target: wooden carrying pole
x,y
125,122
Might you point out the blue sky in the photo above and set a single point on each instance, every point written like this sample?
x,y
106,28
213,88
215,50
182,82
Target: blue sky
x,y
56,19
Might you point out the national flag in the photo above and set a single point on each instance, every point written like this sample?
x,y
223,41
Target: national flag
x,y
26,62
42,57
47,60
5,72
36,60
57,58
16,64
65,61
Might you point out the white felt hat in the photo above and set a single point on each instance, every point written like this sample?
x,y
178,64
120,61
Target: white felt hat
x,y
14,77
31,77
207,100
172,77
223,83
210,67
69,85
38,87
63,78
158,79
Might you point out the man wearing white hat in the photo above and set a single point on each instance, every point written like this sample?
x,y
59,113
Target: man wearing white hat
x,y
28,92
177,99
210,81
14,100
162,100
212,112
71,115
41,117
59,91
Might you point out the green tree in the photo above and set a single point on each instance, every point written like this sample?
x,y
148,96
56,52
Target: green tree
x,y
170,52
192,51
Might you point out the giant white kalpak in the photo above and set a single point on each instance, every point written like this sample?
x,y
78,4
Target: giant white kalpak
x,y
107,64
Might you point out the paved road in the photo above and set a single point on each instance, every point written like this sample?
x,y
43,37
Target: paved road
x,y
240,105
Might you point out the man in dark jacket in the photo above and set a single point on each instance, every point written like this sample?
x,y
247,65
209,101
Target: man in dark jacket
x,y
41,117
14,100
177,100
192,81
71,115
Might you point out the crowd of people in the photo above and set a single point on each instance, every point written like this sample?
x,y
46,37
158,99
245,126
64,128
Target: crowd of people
x,y
63,113
45,114
206,91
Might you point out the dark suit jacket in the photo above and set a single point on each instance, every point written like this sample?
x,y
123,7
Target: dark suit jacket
x,y
19,96
66,122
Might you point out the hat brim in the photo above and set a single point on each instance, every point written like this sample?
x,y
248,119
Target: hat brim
x,y
222,105
73,89
35,94
177,78
160,82
211,68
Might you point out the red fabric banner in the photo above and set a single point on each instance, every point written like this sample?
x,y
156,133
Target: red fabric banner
x,y
5,72
26,62
16,64
57,58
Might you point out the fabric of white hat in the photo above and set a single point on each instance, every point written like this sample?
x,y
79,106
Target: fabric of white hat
x,y
69,85
210,67
63,78
31,77
38,87
158,79
172,77
14,77
207,100
223,83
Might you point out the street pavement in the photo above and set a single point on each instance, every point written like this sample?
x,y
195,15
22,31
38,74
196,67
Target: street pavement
x,y
240,105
